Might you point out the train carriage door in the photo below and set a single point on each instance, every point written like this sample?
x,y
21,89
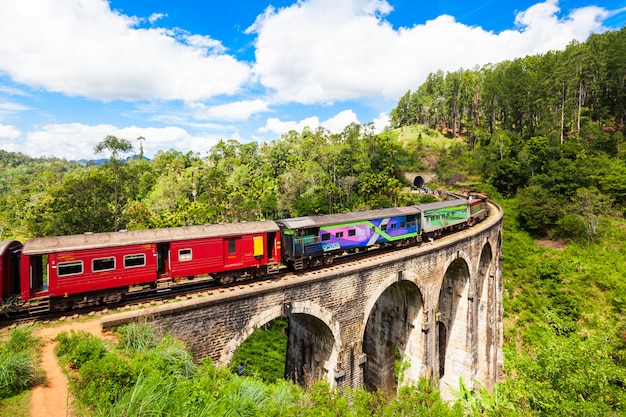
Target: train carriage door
x,y
163,260
271,247
232,251
14,271
37,272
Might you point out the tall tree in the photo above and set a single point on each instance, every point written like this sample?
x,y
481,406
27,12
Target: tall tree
x,y
116,147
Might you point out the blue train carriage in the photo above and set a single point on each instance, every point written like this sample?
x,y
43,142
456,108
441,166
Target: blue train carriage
x,y
316,240
444,216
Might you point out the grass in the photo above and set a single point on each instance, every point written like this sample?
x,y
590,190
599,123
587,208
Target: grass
x,y
17,405
18,362
263,353
429,138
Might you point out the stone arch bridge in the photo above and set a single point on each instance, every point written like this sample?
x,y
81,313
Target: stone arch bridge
x,y
438,305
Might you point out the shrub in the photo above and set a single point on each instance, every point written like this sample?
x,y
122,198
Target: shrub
x,y
78,348
102,380
570,227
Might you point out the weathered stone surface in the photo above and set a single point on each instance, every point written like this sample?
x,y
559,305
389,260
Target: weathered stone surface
x,y
438,306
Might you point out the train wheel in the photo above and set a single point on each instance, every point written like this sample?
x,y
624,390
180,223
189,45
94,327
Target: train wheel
x,y
224,279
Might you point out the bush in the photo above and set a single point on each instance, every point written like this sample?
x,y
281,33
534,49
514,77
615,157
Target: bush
x,y
78,348
101,381
570,227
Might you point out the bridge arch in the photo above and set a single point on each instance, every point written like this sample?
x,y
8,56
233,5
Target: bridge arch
x,y
314,340
485,313
453,326
257,321
392,328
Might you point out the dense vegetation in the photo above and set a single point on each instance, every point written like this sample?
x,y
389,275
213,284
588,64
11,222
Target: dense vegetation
x,y
300,173
18,362
543,135
143,375
549,128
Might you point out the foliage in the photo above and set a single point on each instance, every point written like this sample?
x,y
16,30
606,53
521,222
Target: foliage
x,y
78,348
18,363
565,351
137,337
263,353
17,405
538,211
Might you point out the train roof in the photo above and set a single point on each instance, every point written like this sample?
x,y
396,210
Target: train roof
x,y
330,219
7,244
442,204
45,245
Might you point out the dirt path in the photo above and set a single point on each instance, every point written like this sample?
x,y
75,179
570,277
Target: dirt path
x,y
53,399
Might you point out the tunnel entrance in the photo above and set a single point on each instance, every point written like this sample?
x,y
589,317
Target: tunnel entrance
x,y
418,182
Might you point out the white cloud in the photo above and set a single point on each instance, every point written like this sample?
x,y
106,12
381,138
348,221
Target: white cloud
x,y
76,141
154,17
323,51
83,48
335,124
205,42
236,111
9,133
380,122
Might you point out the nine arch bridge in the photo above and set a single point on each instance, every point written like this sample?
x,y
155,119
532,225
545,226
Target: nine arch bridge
x,y
439,305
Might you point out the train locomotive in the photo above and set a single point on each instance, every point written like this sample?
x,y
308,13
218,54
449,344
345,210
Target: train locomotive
x,y
67,272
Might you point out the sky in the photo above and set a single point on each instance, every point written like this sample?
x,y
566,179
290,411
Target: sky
x,y
185,74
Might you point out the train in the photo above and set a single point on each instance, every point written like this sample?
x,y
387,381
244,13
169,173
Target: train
x,y
69,272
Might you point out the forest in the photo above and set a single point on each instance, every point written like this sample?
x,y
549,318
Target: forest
x,y
541,135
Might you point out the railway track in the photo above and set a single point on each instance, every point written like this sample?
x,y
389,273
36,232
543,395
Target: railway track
x,y
185,289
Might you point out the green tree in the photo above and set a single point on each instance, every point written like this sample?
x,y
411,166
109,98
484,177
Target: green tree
x,y
592,207
539,210
116,148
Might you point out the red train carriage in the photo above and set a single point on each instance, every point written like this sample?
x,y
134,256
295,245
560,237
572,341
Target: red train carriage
x,y
89,269
9,268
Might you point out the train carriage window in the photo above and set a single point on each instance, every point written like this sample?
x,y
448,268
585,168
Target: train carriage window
x,y
69,268
351,232
402,225
184,255
232,246
339,234
393,226
383,227
103,264
325,237
132,261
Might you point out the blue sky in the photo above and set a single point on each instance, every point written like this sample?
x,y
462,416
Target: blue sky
x,y
184,74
